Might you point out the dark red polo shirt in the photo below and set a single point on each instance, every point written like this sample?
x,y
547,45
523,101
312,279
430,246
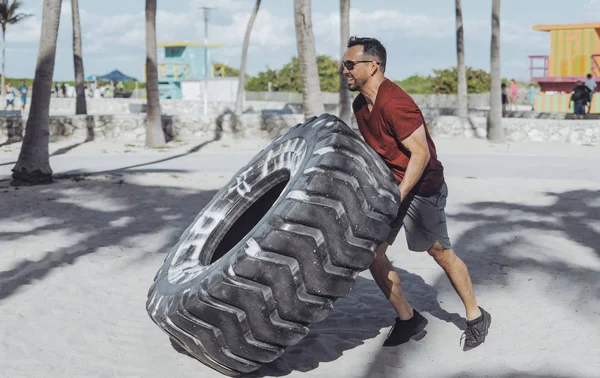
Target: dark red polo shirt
x,y
395,116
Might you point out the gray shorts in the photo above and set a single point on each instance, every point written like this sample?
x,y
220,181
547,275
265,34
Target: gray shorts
x,y
424,221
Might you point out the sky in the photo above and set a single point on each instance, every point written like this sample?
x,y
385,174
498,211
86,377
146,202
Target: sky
x,y
419,35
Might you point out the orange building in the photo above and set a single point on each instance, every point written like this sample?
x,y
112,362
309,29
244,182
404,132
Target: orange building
x,y
574,53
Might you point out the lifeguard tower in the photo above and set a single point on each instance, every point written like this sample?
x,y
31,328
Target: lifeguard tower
x,y
574,53
179,61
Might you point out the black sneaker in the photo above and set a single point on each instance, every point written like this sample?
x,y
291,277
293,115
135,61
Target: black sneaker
x,y
404,330
476,331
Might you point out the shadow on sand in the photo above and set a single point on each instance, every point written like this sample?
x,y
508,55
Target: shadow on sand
x,y
153,208
360,316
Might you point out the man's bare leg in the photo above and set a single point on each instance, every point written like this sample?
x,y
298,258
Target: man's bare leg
x,y
409,322
389,282
458,274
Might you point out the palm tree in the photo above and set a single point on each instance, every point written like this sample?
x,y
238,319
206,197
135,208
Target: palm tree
x,y
8,16
33,165
239,100
462,71
309,74
81,106
495,131
345,97
154,132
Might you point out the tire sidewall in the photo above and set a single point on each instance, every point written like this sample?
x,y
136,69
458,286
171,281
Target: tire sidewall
x,y
306,131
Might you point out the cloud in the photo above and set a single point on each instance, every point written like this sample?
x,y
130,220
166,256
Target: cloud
x,y
522,36
129,29
511,33
593,7
229,6
28,30
409,25
414,39
108,38
433,33
269,30
382,23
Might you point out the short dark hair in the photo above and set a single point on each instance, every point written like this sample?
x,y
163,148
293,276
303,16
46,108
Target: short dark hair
x,y
589,76
372,47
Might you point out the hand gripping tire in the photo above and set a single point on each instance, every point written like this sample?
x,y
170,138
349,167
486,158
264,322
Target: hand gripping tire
x,y
275,247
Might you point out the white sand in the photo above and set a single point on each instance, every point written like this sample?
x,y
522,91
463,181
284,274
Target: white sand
x,y
102,147
77,259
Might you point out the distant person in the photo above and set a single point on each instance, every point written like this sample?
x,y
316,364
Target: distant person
x,y
504,99
92,89
580,98
532,93
56,88
591,85
70,90
63,87
23,91
120,88
10,96
514,93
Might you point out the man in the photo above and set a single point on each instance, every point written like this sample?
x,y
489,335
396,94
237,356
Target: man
x,y
10,96
23,90
580,97
591,85
392,124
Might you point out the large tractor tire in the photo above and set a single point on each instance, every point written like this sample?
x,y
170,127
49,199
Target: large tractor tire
x,y
275,247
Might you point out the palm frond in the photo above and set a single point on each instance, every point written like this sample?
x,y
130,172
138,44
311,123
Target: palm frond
x,y
14,6
18,17
8,12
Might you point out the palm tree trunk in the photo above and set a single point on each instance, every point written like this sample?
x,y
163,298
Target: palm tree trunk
x,y
462,70
309,74
3,54
345,95
33,165
81,105
495,131
154,132
239,100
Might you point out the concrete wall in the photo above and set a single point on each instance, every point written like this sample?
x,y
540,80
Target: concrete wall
x,y
432,113
66,106
112,118
131,127
328,98
98,106
521,129
475,100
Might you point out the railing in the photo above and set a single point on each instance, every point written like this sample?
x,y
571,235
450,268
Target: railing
x,y
542,61
172,71
596,65
538,68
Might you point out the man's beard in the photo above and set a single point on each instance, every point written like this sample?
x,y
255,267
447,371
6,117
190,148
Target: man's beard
x,y
355,85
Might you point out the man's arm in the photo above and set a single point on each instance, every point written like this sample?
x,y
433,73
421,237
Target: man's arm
x,y
416,143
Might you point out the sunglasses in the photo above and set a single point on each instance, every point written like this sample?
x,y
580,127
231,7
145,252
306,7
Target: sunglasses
x,y
349,64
